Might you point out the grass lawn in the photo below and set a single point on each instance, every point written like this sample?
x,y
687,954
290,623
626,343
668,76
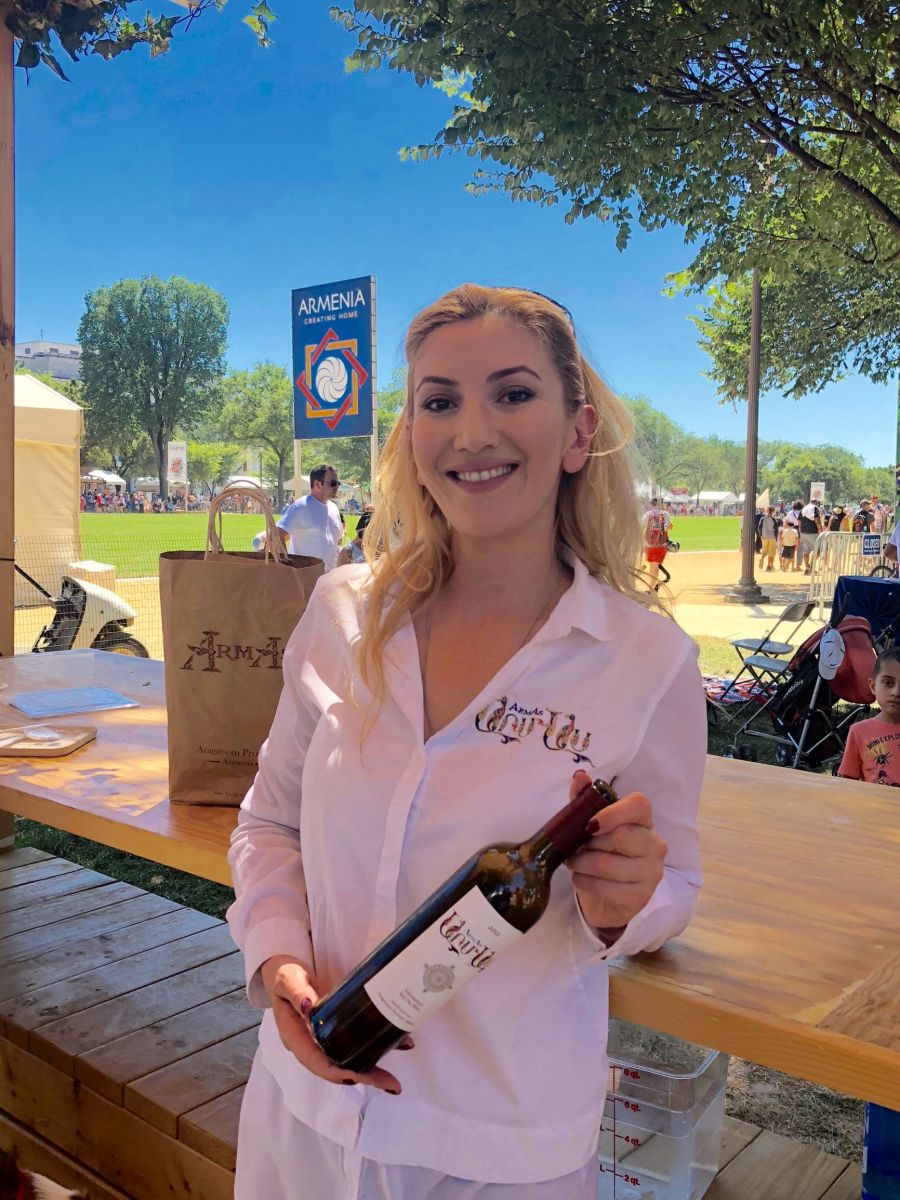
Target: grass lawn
x,y
707,533
133,542
717,656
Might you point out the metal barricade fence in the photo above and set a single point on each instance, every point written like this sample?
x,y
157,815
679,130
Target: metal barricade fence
x,y
837,554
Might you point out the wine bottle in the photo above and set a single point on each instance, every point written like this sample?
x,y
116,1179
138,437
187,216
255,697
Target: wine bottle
x,y
483,908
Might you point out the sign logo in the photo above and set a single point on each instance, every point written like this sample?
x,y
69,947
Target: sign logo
x,y
331,384
871,543
214,652
333,343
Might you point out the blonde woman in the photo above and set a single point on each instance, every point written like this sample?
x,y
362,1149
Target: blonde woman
x,y
452,691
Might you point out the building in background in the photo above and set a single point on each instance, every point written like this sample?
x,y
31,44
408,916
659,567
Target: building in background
x,y
61,360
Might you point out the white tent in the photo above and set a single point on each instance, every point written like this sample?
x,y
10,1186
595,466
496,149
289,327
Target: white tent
x,y
106,478
48,429
723,503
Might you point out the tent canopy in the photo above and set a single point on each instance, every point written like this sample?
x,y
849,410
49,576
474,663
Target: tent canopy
x,y
107,477
43,415
45,459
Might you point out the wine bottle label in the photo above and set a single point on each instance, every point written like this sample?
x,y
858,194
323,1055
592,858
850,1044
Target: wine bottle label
x,y
456,948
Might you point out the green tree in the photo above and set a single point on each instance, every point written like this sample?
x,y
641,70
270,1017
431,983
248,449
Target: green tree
x,y
258,411
152,352
210,464
769,131
702,466
817,326
104,27
877,481
795,467
659,444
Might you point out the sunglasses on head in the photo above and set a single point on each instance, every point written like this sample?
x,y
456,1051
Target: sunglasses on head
x,y
543,295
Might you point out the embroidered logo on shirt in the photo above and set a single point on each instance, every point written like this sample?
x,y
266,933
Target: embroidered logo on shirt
x,y
511,722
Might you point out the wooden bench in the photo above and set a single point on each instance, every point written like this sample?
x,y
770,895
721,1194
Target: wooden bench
x,y
126,1040
125,1035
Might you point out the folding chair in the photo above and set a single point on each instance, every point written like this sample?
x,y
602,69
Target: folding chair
x,y
761,657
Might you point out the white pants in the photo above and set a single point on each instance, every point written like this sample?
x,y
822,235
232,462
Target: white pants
x,y
280,1158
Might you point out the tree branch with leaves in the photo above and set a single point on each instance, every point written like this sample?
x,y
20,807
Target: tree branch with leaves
x,y
105,28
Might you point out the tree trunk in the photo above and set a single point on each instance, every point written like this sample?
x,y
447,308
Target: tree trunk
x,y
161,452
279,484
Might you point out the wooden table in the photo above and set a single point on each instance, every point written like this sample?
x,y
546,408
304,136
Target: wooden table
x,y
115,789
792,959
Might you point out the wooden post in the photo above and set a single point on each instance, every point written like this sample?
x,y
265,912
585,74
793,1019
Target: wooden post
x,y
298,467
373,468
7,337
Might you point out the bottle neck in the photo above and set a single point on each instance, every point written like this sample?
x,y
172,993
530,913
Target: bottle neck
x,y
568,829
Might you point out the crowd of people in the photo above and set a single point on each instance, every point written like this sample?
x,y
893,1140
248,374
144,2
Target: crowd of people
x,y
786,532
140,502
789,532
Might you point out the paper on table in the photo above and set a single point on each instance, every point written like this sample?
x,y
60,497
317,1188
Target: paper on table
x,y
60,702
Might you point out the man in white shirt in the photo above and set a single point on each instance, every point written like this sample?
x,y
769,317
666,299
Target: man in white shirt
x,y
312,524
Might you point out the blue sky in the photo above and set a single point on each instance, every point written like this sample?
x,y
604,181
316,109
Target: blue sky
x,y
258,171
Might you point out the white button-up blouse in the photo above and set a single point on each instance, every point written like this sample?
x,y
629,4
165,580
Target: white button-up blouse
x,y
342,836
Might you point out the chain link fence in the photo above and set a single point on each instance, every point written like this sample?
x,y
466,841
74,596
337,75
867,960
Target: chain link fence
x,y
107,573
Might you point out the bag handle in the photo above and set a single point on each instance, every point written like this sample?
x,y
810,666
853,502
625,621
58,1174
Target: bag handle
x,y
275,547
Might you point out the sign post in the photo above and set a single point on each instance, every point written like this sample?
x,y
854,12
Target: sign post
x,y
333,337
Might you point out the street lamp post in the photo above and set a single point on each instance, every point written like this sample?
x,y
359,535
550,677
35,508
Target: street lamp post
x,y
747,590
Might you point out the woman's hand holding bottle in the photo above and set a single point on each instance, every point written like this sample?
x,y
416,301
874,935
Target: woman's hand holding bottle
x,y
618,870
292,990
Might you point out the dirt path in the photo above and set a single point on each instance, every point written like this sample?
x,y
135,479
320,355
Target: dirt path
x,y
705,576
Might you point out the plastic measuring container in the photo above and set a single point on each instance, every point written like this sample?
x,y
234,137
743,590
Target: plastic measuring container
x,y
662,1125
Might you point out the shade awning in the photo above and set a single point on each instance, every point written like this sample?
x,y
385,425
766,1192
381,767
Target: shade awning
x,y
109,477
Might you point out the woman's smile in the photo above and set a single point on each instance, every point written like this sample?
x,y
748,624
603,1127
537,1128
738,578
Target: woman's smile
x,y
482,478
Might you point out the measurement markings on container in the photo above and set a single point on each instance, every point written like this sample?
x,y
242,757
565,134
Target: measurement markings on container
x,y
633,1180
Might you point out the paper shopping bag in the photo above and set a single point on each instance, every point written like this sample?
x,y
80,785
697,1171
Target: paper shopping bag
x,y
226,618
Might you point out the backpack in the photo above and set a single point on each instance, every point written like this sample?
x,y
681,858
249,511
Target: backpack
x,y
656,529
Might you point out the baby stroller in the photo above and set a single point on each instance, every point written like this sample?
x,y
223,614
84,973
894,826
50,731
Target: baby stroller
x,y
833,664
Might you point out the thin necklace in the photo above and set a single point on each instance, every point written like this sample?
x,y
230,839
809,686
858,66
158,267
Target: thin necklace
x,y
429,728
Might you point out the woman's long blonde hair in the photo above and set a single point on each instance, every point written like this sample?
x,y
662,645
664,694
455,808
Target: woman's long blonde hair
x,y
597,516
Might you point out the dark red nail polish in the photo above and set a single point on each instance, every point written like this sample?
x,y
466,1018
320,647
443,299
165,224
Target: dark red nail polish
x,y
305,1006
349,1082
392,1091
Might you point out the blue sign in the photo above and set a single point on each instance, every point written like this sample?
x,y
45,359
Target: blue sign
x,y
333,328
871,543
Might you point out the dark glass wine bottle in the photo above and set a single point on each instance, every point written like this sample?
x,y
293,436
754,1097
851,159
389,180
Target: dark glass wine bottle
x,y
484,907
